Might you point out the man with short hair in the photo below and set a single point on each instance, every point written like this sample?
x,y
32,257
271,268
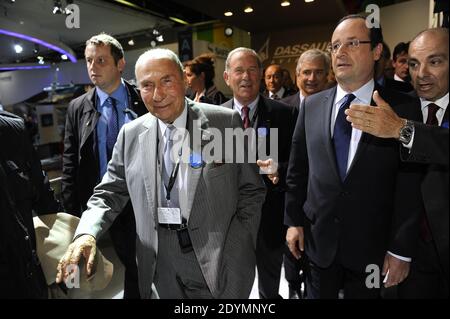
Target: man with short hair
x,y
93,122
273,77
427,142
351,203
242,74
312,71
196,218
401,79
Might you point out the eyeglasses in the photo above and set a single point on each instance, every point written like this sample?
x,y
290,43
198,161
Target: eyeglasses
x,y
350,44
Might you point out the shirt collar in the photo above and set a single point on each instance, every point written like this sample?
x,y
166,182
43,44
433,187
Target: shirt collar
x,y
442,102
179,123
279,93
251,106
120,95
397,78
363,94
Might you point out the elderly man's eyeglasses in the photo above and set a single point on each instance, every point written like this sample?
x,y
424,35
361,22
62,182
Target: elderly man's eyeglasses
x,y
350,44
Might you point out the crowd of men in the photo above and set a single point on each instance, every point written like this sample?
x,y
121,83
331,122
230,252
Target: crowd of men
x,y
345,177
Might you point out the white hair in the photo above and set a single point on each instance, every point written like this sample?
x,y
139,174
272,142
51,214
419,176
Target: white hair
x,y
158,53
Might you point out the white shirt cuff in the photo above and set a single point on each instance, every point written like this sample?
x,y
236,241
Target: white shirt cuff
x,y
407,259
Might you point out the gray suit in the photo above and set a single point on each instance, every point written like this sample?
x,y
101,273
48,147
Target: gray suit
x,y
223,203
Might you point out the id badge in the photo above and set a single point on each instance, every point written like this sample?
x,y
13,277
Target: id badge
x,y
169,215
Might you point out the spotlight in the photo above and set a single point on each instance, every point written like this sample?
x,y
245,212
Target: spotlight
x,y
18,48
160,38
153,43
64,57
36,48
248,9
155,32
285,3
131,42
228,14
40,59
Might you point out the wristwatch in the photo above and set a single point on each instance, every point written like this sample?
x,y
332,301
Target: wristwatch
x,y
406,132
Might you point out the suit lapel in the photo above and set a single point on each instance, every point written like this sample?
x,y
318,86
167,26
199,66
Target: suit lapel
x,y
326,127
91,115
148,149
197,126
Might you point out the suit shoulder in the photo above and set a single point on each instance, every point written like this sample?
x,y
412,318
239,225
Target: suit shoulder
x,y
209,109
11,123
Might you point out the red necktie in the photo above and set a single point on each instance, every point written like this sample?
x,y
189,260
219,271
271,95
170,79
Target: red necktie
x,y
245,117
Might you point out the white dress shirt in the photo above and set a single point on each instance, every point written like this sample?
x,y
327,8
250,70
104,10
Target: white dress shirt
x,y
183,172
362,96
279,93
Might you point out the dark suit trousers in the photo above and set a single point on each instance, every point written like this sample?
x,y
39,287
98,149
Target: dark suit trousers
x,y
426,278
325,283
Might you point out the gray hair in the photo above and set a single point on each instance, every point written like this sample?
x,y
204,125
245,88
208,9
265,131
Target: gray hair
x,y
158,53
311,55
242,49
106,39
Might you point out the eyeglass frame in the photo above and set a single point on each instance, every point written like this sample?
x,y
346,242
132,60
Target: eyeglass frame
x,y
351,44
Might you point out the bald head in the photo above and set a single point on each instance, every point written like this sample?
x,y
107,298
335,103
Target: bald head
x,y
428,63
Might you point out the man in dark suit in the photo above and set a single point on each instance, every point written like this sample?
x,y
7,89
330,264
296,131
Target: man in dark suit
x,y
351,204
273,77
426,142
93,122
401,80
24,190
312,71
242,74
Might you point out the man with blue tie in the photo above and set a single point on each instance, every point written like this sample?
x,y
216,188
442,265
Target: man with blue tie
x,y
93,123
426,142
351,204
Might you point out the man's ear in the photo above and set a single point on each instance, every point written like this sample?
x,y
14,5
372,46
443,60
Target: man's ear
x,y
377,51
121,65
225,77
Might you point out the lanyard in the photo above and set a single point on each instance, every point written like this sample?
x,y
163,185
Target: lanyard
x,y
174,174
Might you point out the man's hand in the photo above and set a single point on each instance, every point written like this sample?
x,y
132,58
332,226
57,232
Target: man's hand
x,y
269,167
379,120
84,245
295,241
398,270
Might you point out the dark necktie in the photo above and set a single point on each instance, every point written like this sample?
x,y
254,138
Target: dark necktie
x,y
341,136
275,97
112,129
431,118
425,231
245,117
169,163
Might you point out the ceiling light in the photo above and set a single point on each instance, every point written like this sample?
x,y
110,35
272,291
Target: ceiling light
x,y
228,14
155,32
285,3
18,48
160,38
57,7
36,48
153,43
248,9
40,59
309,0
64,57
131,42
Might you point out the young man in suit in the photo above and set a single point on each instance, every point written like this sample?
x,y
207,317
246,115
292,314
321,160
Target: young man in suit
x,y
242,74
193,243
425,142
92,124
351,203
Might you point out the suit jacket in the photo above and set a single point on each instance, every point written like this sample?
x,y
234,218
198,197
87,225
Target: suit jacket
x,y
24,190
287,92
81,168
273,114
431,147
294,101
223,202
399,86
375,209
